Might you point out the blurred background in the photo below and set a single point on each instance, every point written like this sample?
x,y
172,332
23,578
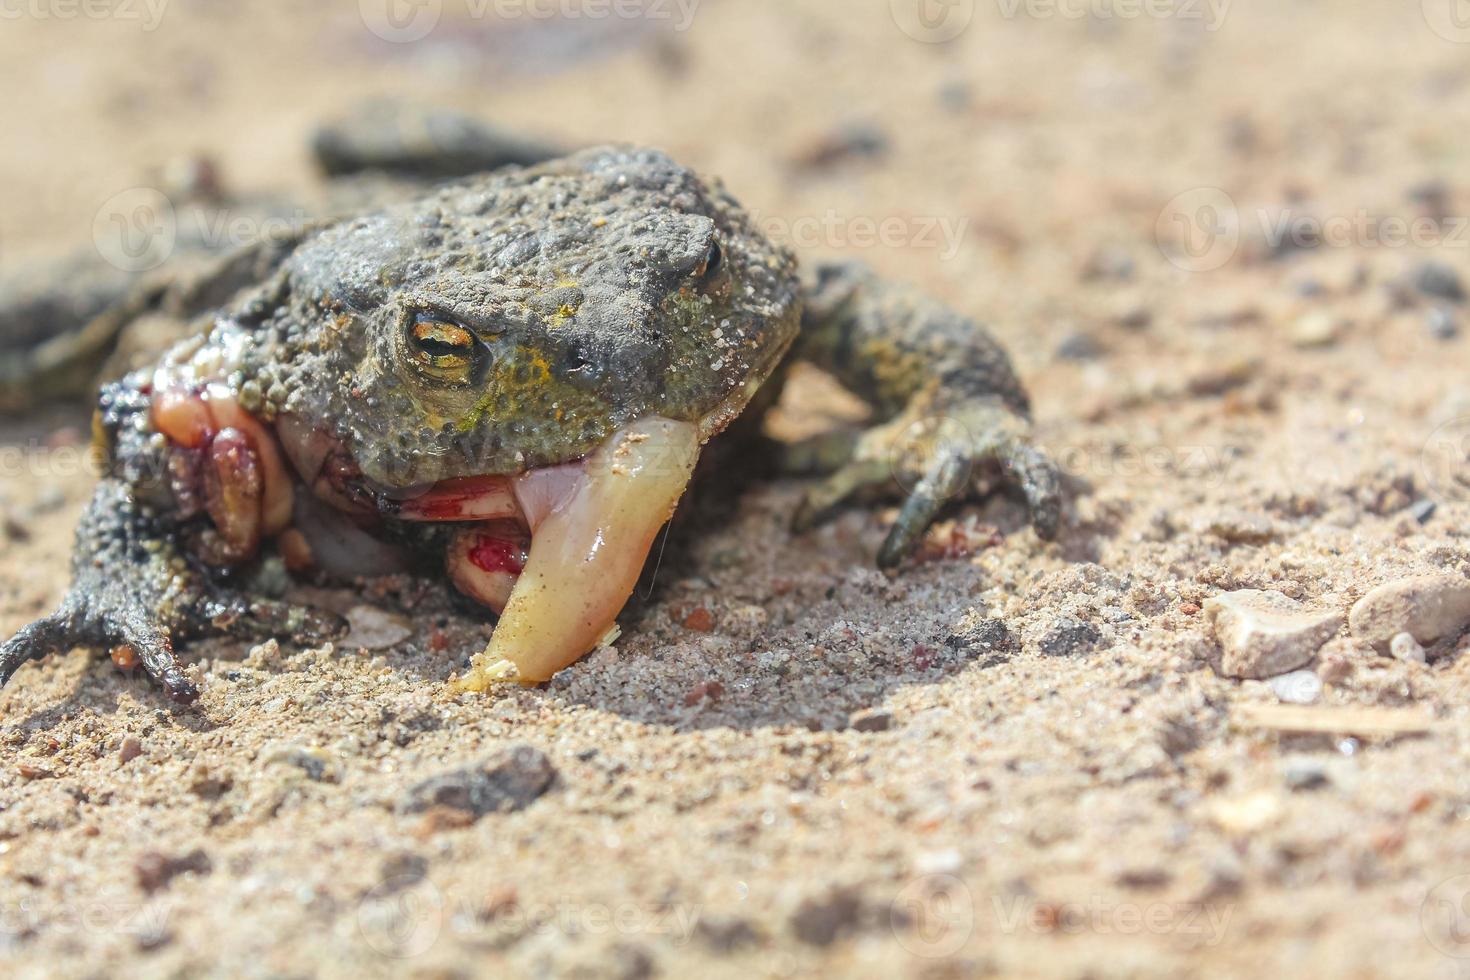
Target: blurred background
x,y
1015,155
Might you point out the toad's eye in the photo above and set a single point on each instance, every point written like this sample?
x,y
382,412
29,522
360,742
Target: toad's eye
x,y
442,348
711,269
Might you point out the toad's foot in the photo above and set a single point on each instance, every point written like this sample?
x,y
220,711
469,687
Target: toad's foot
x,y
136,595
950,406
937,461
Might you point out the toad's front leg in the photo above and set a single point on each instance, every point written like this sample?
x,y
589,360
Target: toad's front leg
x,y
948,403
193,486
135,593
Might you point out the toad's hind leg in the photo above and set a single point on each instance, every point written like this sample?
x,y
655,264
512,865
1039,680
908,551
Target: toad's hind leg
x,y
947,404
133,587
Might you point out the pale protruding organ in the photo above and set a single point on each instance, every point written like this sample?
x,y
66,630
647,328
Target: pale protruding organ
x,y
555,551
593,524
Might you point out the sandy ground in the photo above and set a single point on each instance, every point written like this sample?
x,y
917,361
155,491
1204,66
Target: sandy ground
x,y
792,765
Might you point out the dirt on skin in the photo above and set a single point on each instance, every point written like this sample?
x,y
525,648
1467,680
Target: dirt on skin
x,y
1016,758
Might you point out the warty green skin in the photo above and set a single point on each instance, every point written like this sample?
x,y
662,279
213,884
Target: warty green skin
x,y
601,288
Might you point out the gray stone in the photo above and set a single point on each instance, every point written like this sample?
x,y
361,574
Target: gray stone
x,y
1428,608
507,781
1264,634
1439,281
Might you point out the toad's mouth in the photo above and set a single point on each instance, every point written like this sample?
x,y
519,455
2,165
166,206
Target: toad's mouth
x,y
558,550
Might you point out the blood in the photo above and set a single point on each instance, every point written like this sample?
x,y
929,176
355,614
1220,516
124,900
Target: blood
x,y
445,508
498,555
474,498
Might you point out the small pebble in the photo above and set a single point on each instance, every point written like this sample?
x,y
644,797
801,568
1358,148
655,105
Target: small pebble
x,y
1423,510
726,935
1404,647
130,749
1079,347
507,781
1147,878
1297,687
1315,330
700,620
155,871
318,764
821,921
1442,324
1134,317
957,96
853,141
1241,527
50,499
402,870
1440,281
710,691
376,629
871,720
1108,262
988,640
1246,815
14,529
1305,774
1070,637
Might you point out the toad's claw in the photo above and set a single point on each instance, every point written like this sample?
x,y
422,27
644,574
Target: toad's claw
x,y
938,461
69,628
950,472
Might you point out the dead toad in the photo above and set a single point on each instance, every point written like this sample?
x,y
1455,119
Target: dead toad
x,y
516,372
